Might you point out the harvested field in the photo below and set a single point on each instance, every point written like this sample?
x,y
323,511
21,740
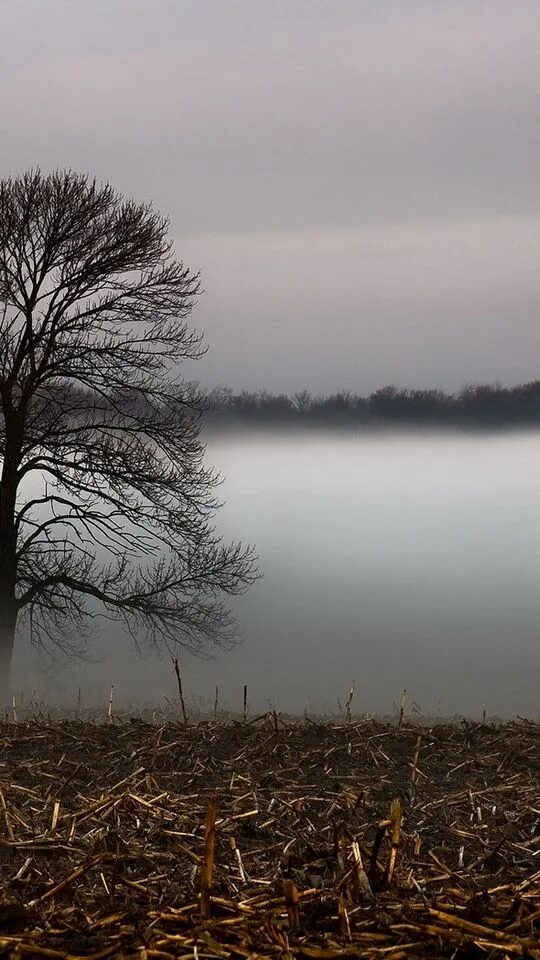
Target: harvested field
x,y
269,839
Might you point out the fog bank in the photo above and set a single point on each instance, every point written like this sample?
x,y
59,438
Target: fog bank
x,y
394,560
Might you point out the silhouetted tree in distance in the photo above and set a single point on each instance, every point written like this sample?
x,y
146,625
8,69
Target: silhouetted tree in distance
x,y
483,405
93,310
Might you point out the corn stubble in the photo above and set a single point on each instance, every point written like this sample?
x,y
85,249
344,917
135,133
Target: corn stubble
x,y
269,838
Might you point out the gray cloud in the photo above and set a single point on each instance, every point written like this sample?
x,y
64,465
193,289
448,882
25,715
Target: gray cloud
x,y
357,181
434,303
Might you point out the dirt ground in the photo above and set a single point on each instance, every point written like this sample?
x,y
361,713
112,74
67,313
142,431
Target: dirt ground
x,y
269,838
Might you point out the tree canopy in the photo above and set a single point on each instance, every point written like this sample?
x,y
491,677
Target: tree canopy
x,y
106,501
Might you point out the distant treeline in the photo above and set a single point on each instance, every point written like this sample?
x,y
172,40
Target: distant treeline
x,y
483,404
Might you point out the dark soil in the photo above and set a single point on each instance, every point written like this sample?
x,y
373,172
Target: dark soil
x,y
361,839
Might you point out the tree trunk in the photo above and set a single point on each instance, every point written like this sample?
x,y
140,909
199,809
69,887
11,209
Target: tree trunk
x,y
8,622
8,557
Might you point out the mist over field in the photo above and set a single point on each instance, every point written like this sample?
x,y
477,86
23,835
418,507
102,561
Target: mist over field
x,y
396,559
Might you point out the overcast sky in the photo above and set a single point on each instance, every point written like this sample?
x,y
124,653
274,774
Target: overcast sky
x,y
359,182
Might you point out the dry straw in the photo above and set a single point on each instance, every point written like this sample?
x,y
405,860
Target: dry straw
x,y
364,839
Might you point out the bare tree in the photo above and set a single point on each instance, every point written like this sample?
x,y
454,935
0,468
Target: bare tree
x,y
118,516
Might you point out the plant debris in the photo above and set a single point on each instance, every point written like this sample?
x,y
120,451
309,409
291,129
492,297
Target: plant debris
x,y
269,838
